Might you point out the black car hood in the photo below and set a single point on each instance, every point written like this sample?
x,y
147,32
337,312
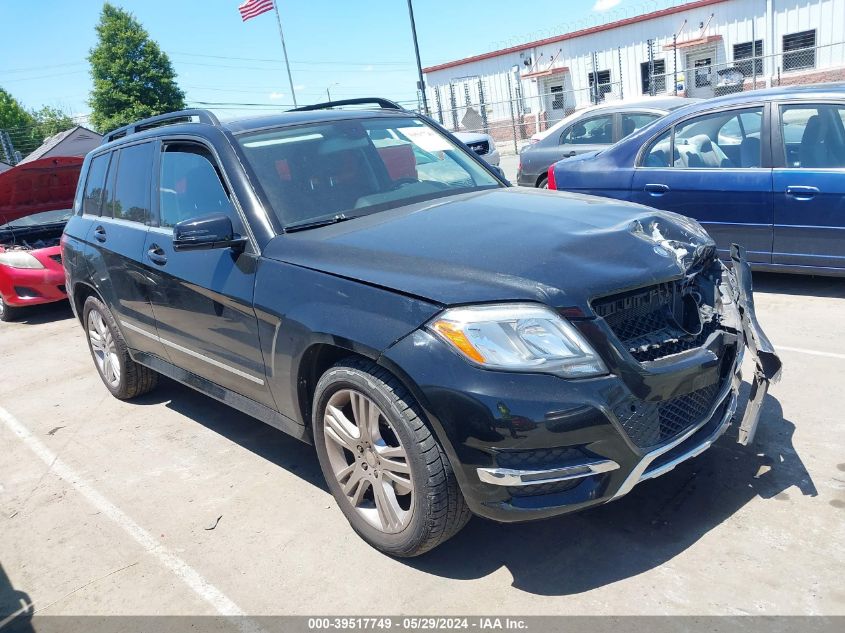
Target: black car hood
x,y
558,248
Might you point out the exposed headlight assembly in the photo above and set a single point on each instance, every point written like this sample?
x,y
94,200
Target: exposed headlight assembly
x,y
518,337
19,259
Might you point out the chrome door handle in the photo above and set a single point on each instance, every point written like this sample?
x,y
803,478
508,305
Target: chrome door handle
x,y
800,192
656,189
157,255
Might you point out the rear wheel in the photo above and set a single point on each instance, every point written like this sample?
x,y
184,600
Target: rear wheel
x,y
7,312
383,465
123,377
543,183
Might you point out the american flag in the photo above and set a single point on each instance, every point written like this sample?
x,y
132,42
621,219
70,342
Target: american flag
x,y
251,8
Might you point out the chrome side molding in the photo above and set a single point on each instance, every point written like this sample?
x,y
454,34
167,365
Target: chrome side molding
x,y
511,477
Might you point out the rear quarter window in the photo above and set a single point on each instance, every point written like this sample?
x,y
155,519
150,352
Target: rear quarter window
x,y
92,200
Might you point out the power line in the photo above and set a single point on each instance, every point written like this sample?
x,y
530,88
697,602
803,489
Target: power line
x,y
259,59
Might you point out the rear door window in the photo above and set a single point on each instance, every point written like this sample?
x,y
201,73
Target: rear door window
x,y
92,201
721,140
633,121
131,198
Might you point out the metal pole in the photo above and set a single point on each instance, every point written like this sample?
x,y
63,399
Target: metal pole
x,y
421,81
328,94
285,52
754,53
650,67
675,60
513,118
621,75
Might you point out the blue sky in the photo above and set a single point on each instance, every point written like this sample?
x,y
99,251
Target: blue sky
x,y
352,47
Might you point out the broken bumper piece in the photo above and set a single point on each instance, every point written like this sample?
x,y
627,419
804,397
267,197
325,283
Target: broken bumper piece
x,y
766,361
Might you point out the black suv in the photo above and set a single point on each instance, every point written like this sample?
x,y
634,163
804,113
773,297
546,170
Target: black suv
x,y
450,344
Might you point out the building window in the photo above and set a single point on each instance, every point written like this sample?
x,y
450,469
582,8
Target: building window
x,y
557,97
799,50
659,77
744,52
599,85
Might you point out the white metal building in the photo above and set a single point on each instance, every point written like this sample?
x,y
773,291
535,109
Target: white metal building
x,y
681,48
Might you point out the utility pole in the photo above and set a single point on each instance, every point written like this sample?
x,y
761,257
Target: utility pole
x,y
285,52
420,82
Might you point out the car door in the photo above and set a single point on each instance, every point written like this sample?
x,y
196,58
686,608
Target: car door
x,y
587,135
685,169
809,185
117,207
584,135
203,299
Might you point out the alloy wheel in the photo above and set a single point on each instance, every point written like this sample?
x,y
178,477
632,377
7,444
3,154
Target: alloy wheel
x,y
2,307
104,348
368,460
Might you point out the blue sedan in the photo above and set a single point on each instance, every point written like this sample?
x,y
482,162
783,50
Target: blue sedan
x,y
765,169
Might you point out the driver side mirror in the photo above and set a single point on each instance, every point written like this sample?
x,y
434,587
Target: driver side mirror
x,y
205,232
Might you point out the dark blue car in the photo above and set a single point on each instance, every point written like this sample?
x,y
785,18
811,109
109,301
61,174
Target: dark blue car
x,y
765,169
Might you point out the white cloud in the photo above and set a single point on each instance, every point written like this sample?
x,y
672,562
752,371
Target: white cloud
x,y
368,69
277,95
300,87
605,5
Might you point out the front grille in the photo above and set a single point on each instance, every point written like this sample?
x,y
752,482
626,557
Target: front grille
x,y
56,258
539,459
645,321
651,423
480,148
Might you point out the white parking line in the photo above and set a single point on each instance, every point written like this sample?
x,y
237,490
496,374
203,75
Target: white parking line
x,y
811,352
204,589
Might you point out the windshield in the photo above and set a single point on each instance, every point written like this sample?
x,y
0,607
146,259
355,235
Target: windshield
x,y
344,169
39,219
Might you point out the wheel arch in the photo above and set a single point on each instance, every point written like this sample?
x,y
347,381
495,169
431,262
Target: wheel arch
x,y
80,293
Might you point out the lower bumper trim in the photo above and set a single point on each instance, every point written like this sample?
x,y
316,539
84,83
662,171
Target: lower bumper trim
x,y
511,477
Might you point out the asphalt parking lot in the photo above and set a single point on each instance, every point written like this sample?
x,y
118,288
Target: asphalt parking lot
x,y
106,507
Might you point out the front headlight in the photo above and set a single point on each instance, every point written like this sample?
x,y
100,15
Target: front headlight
x,y
518,337
19,259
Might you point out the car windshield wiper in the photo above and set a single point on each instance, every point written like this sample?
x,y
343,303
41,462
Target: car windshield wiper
x,y
313,224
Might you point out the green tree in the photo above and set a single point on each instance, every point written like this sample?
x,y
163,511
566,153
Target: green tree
x,y
50,121
133,78
19,123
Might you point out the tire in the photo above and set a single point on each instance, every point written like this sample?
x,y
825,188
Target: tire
x,y
121,375
419,485
543,183
7,312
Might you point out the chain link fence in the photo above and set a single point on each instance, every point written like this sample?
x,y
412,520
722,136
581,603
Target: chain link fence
x,y
512,106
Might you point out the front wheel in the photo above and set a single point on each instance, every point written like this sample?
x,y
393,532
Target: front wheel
x,y
123,377
384,467
7,312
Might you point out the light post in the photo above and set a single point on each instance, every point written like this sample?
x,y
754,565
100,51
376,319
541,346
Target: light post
x,y
420,82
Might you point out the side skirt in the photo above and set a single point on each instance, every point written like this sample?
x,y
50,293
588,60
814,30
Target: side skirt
x,y
226,396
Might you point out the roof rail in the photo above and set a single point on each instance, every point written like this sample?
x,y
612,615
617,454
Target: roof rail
x,y
384,104
204,116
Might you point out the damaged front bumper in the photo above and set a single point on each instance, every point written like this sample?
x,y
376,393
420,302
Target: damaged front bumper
x,y
531,446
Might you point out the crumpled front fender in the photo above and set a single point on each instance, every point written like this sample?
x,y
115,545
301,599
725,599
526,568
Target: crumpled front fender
x,y
768,365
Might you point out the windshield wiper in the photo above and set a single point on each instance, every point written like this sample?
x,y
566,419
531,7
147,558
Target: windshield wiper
x,y
313,224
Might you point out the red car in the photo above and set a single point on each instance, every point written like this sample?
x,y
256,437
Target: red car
x,y
31,261
35,201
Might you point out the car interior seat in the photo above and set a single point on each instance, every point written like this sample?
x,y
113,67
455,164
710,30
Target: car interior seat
x,y
700,151
749,152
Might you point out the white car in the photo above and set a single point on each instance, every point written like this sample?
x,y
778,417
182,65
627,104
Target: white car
x,y
481,144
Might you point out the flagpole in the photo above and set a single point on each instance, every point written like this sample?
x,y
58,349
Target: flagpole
x,y
285,51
